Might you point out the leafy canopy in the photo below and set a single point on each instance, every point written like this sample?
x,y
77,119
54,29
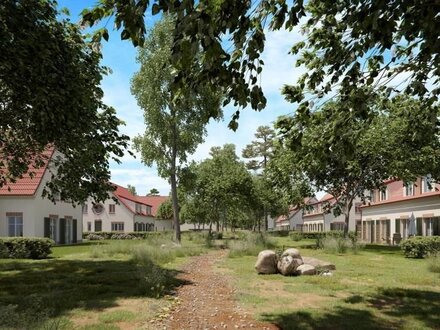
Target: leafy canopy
x,y
50,95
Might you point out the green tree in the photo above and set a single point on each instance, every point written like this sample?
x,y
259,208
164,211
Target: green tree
x,y
153,192
175,123
338,151
261,148
221,190
50,95
132,189
165,210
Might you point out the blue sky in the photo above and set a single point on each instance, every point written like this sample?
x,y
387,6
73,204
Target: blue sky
x,y
120,56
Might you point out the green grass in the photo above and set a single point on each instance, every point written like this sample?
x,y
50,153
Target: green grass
x,y
92,285
378,288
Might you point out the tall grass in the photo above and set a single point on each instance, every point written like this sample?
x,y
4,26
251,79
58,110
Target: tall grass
x,y
249,243
434,263
339,245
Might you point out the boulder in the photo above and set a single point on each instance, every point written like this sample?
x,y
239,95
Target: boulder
x,y
266,262
287,265
306,269
292,252
319,264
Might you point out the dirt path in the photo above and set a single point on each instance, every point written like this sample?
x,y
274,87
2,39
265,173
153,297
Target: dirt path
x,y
208,301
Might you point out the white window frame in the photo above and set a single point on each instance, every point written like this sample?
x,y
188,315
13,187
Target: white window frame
x,y
15,220
408,189
425,187
117,226
53,227
68,230
383,197
85,208
110,207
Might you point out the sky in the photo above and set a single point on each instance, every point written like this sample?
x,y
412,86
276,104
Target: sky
x,y
120,57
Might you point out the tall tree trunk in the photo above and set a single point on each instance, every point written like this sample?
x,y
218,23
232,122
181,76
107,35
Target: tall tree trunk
x,y
266,220
175,204
348,206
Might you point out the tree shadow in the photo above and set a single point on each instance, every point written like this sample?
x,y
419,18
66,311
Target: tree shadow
x,y
30,291
419,304
339,318
384,249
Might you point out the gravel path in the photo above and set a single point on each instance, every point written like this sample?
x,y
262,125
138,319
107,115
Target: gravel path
x,y
207,302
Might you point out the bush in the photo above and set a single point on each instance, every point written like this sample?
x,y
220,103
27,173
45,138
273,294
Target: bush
x,y
130,235
296,236
420,246
279,233
25,248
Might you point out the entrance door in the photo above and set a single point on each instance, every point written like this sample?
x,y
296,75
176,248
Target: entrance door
x,y
98,225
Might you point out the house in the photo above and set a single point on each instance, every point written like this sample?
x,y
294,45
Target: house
x,y
23,212
123,212
295,219
387,214
317,218
155,201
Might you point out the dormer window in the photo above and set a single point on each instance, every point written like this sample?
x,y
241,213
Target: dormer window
x,y
409,189
383,194
372,196
138,208
428,184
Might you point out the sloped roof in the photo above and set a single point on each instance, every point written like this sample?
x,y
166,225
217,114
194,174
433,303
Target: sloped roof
x,y
28,184
326,197
123,193
154,201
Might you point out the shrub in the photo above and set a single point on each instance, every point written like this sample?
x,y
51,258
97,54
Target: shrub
x,y
93,237
3,250
296,236
335,242
279,233
216,235
130,235
26,248
420,246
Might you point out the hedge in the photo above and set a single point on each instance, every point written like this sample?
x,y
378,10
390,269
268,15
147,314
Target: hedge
x,y
25,247
420,246
115,235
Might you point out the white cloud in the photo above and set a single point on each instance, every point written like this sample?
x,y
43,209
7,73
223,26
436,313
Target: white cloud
x,y
143,178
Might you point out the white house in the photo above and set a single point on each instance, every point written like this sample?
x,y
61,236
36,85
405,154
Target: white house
x,y
23,212
124,212
386,218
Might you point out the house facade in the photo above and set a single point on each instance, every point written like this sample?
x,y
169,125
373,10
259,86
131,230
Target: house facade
x,y
317,218
124,212
386,218
24,213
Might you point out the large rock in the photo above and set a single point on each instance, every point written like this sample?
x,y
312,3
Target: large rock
x,y
319,264
306,269
287,264
266,262
292,252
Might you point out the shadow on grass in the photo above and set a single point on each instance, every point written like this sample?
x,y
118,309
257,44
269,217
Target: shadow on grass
x,y
34,291
384,249
419,304
340,318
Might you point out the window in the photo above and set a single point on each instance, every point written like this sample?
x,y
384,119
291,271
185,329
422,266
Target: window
x,y
15,224
409,189
89,226
111,208
383,194
138,208
68,231
148,210
117,226
357,208
98,225
85,208
98,208
53,233
372,196
428,184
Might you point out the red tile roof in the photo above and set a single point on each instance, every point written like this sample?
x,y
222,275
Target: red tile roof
x,y
123,193
402,198
29,183
154,201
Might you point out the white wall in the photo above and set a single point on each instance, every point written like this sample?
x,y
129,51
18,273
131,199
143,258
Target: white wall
x,y
35,209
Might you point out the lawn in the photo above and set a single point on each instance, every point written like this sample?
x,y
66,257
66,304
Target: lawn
x,y
96,285
378,288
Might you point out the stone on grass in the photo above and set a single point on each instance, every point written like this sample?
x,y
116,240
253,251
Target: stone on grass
x,y
292,252
306,269
266,262
319,264
287,264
